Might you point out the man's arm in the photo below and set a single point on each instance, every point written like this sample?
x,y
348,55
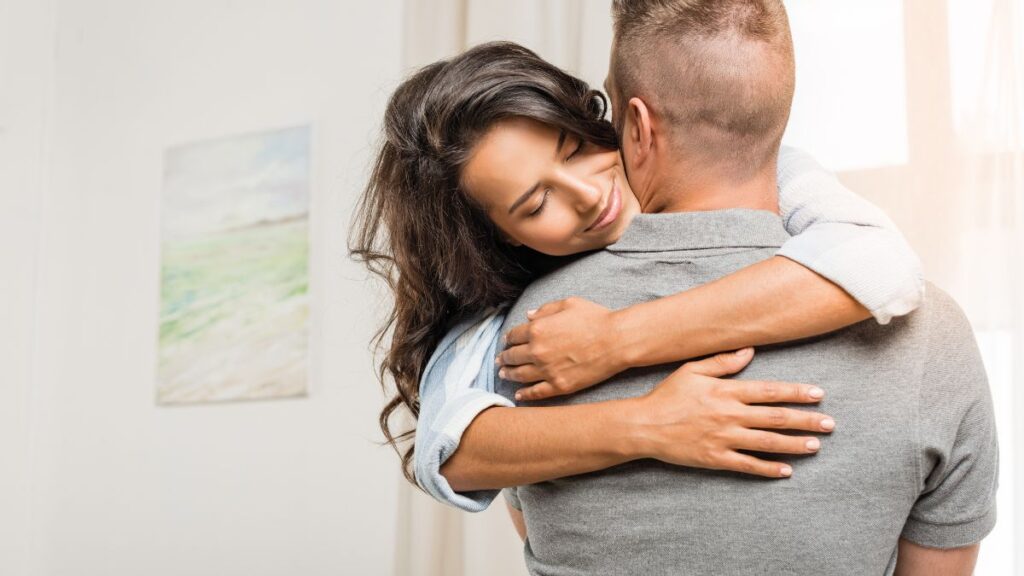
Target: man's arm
x,y
914,560
517,520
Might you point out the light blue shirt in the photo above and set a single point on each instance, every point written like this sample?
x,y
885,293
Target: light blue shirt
x,y
834,232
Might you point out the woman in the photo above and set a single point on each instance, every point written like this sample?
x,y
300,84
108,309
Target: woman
x,y
446,223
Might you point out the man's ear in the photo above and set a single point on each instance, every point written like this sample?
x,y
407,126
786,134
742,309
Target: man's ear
x,y
638,130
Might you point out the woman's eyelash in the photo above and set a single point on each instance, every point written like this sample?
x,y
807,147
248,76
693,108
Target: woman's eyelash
x,y
576,151
543,201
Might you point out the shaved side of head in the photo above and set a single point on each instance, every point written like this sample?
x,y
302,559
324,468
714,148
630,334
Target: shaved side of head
x,y
719,74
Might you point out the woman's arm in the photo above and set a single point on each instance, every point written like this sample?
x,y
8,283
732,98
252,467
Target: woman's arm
x,y
471,442
571,344
692,418
844,263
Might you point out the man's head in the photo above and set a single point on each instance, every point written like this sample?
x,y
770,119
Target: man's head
x,y
703,86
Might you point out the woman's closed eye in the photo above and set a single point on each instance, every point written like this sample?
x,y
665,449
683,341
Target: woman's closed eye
x,y
579,147
543,201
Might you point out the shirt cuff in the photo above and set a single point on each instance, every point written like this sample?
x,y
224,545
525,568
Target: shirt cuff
x,y
442,444
868,263
512,497
932,535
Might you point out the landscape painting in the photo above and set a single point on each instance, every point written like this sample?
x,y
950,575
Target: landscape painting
x,y
234,302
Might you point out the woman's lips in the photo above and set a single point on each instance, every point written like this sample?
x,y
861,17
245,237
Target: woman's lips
x,y
610,212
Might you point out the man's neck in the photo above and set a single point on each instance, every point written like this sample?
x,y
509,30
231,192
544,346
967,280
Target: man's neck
x,y
691,191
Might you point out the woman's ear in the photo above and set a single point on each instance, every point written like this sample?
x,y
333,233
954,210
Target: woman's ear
x,y
638,130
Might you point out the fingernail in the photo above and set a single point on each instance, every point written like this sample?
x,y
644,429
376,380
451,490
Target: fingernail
x,y
813,444
816,392
828,424
530,313
519,396
786,471
501,373
743,351
497,360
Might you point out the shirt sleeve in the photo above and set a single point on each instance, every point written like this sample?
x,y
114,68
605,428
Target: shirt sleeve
x,y
958,451
512,497
457,385
846,239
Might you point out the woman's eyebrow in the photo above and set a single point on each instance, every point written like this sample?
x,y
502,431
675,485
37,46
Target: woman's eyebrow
x,y
519,201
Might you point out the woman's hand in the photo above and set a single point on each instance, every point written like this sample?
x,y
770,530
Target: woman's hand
x,y
695,418
566,346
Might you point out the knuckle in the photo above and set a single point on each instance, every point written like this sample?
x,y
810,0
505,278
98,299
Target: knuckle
x,y
711,459
777,417
719,419
766,443
770,390
745,466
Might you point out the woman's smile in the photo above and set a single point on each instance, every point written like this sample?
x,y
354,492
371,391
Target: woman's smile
x,y
611,210
577,197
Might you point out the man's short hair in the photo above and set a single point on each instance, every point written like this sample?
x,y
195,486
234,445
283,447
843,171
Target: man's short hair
x,y
720,73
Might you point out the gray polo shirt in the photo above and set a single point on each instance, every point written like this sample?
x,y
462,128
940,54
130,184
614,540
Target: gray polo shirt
x,y
914,451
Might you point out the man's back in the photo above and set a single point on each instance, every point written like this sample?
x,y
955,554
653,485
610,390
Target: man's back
x,y
913,452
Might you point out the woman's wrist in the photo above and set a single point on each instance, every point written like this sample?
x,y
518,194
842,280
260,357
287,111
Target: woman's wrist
x,y
629,339
632,434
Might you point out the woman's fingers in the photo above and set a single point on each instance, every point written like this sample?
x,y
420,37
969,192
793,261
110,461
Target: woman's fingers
x,y
748,464
764,441
516,356
771,392
720,364
538,391
518,335
785,419
524,373
547,309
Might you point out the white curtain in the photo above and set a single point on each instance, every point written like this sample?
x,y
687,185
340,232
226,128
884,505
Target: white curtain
x,y
936,138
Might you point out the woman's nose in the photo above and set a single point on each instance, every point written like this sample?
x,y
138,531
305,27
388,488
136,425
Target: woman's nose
x,y
585,195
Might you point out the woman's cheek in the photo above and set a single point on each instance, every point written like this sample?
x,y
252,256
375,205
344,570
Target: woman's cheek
x,y
553,238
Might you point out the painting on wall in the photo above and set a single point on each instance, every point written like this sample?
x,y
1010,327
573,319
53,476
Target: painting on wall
x,y
234,269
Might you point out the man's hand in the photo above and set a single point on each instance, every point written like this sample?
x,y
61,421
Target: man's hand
x,y
566,346
695,418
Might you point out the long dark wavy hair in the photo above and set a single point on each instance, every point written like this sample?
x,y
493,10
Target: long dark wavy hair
x,y
416,227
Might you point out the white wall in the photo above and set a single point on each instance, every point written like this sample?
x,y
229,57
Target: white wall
x,y
26,78
119,485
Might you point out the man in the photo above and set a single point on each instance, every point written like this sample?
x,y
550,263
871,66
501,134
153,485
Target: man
x,y
701,92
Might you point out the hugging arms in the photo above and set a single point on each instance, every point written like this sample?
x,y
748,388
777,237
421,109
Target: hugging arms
x,y
470,441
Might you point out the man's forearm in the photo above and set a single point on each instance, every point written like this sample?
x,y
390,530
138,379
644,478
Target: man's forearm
x,y
772,301
914,560
514,446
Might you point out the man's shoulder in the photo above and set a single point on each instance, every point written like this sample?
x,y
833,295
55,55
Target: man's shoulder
x,y
942,316
953,367
557,284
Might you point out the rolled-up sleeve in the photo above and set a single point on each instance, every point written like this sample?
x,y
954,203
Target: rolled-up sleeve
x,y
846,239
457,385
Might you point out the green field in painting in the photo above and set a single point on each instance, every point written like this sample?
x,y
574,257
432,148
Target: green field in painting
x,y
233,314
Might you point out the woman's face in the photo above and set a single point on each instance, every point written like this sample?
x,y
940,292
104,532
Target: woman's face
x,y
548,190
